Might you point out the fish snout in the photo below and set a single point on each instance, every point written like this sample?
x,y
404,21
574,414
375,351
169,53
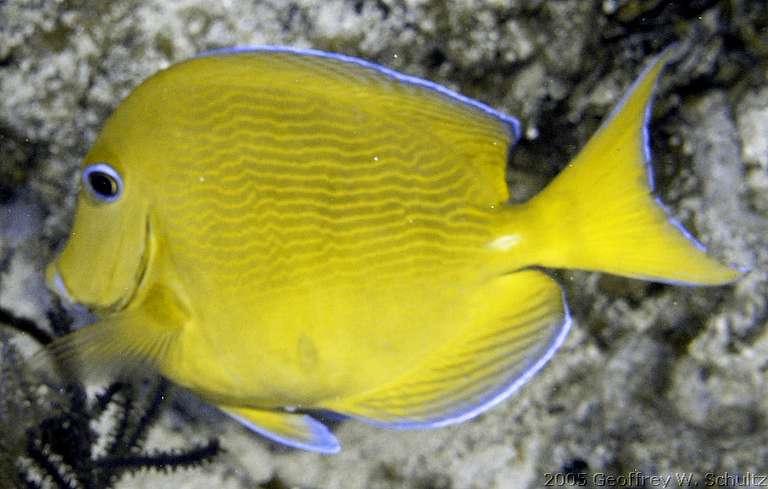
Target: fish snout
x,y
55,283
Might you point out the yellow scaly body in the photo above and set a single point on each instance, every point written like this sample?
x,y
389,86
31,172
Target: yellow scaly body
x,y
297,229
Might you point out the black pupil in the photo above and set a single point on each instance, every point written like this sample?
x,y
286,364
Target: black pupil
x,y
103,184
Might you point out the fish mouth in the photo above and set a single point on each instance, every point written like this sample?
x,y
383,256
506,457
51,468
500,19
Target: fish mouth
x,y
56,283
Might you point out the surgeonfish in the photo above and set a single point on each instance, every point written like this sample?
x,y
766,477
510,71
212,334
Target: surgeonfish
x,y
285,232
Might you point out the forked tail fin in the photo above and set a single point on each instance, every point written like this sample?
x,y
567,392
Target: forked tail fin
x,y
599,213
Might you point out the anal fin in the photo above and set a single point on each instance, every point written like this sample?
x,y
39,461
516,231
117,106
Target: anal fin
x,y
517,321
292,429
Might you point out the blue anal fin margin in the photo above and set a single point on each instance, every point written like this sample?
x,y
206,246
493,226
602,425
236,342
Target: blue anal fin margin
x,y
518,321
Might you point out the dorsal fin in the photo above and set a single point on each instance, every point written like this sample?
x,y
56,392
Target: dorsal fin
x,y
472,133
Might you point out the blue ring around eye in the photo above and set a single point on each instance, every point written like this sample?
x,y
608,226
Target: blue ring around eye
x,y
107,172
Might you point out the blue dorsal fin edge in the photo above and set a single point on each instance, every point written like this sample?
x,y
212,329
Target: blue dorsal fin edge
x,y
511,122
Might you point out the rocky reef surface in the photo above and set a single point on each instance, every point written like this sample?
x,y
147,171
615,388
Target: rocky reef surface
x,y
654,379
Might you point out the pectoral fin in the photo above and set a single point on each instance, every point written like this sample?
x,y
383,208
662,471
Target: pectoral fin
x,y
130,340
109,348
295,430
517,321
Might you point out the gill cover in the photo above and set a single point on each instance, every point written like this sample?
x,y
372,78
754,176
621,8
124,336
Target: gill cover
x,y
105,256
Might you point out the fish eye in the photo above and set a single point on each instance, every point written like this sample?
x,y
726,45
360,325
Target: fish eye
x,y
103,182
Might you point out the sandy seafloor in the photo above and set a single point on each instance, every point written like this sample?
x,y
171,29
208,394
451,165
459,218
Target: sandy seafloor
x,y
653,380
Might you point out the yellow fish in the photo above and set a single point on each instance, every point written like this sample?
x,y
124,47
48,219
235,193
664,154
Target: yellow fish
x,y
283,231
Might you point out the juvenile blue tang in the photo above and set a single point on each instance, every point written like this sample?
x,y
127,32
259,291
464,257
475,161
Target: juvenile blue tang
x,y
285,230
